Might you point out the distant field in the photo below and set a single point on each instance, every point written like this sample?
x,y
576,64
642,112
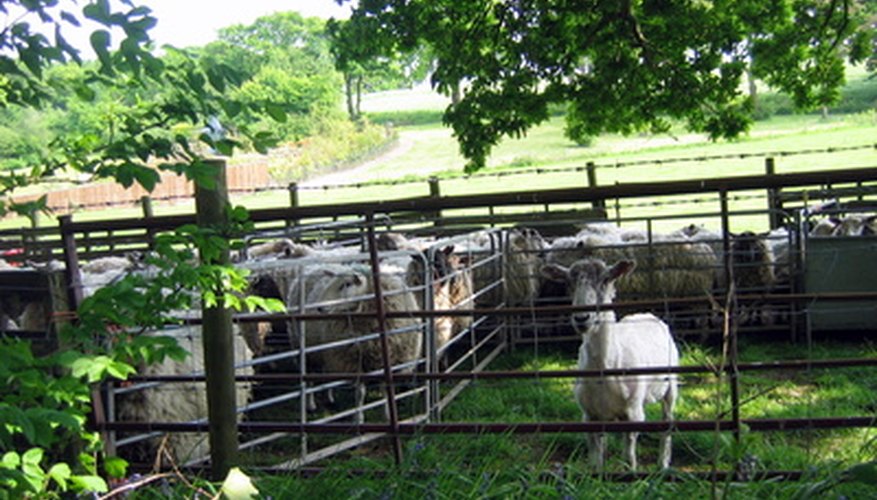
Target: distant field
x,y
430,149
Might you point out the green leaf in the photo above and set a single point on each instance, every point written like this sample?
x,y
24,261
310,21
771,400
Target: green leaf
x,y
33,456
11,460
33,59
85,92
89,484
70,18
146,177
98,11
60,473
277,112
115,467
231,108
120,370
238,486
100,42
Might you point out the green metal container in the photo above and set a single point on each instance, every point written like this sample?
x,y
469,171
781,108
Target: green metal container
x,y
841,264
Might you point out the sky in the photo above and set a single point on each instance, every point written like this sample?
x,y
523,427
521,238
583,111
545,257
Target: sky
x,y
183,23
186,23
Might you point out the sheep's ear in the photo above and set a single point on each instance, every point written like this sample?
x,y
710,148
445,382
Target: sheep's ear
x,y
621,268
556,272
448,250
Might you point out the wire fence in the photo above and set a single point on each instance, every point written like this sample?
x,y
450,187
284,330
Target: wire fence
x,y
590,168
476,344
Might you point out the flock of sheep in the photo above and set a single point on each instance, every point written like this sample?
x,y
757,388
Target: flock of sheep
x,y
478,271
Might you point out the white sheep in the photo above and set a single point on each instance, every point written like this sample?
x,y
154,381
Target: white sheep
x,y
635,341
339,289
522,266
177,402
672,268
856,225
282,248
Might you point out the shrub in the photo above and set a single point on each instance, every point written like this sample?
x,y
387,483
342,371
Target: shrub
x,y
339,143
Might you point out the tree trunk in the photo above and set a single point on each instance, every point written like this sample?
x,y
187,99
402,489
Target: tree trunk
x,y
456,94
352,108
358,96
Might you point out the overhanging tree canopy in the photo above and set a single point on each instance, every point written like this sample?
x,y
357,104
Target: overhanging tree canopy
x,y
621,66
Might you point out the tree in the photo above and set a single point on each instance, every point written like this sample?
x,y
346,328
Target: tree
x,y
623,66
164,113
286,58
373,65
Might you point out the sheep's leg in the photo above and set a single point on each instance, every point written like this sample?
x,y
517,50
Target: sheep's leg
x,y
667,406
330,396
630,449
636,413
359,390
312,402
596,447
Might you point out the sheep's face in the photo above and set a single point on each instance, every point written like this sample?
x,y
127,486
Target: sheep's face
x,y
749,248
592,283
339,292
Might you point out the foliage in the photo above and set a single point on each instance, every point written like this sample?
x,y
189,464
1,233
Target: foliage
x,y
622,66
47,400
405,118
171,111
372,66
340,142
286,59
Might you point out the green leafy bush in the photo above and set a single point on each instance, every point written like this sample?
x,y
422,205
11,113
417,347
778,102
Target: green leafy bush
x,y
339,143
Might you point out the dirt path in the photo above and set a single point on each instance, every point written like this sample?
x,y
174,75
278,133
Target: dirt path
x,y
362,171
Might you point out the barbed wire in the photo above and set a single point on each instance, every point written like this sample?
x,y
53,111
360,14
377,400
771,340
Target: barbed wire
x,y
580,168
498,174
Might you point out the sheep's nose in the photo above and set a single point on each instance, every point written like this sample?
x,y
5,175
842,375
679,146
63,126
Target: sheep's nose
x,y
581,320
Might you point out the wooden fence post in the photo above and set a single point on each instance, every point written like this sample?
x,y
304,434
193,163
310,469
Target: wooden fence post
x,y
592,183
73,278
774,203
71,262
435,192
32,240
218,339
293,203
148,214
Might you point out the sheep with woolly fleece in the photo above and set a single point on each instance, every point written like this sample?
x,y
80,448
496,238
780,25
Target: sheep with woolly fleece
x,y
755,270
856,225
824,227
523,262
281,248
451,289
177,402
636,341
273,278
340,289
676,268
171,402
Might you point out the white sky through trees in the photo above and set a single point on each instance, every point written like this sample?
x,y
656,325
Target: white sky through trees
x,y
185,23
181,23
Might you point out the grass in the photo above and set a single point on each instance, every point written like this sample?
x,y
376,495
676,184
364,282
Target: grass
x,y
555,465
430,149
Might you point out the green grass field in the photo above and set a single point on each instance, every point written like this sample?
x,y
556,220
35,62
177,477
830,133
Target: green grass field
x,y
426,150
